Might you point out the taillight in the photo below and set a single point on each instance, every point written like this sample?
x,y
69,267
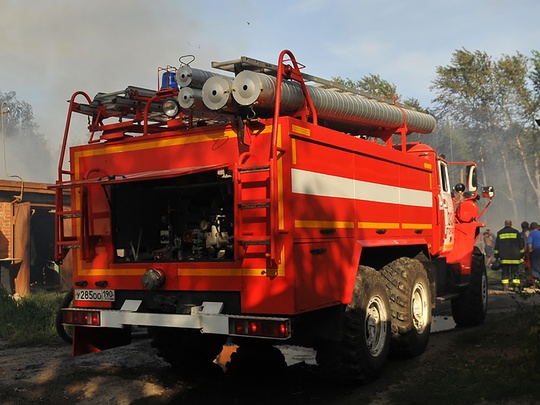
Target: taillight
x,y
88,318
261,328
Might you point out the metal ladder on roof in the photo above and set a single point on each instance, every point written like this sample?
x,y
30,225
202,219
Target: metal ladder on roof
x,y
247,63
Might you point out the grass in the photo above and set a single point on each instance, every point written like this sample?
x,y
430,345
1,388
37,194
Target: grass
x,y
28,320
497,362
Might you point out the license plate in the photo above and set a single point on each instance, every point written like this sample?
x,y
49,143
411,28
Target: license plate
x,y
94,295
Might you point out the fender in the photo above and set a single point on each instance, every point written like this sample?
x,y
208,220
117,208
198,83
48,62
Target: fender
x,y
359,247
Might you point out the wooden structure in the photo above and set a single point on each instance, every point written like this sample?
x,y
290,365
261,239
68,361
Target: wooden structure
x,y
27,238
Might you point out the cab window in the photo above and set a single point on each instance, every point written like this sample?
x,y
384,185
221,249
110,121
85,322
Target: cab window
x,y
443,176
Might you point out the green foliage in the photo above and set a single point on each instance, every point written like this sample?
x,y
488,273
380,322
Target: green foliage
x,y
28,320
534,75
372,84
465,89
376,86
488,106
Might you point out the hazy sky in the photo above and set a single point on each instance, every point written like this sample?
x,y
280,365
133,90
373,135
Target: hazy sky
x,y
50,49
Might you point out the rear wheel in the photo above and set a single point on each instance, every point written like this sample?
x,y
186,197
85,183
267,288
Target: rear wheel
x,y
470,308
186,350
361,353
256,360
65,332
410,300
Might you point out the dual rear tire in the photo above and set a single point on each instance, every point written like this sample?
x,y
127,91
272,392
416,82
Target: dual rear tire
x,y
389,313
362,352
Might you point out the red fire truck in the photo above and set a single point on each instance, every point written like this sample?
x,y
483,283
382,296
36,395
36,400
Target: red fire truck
x,y
264,206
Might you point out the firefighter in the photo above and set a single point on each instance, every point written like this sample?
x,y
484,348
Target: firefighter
x,y
509,249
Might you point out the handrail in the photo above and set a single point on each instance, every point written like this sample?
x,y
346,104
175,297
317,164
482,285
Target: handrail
x,y
72,106
292,72
295,74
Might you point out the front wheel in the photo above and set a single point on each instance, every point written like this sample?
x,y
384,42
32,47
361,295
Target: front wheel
x,y
362,352
470,307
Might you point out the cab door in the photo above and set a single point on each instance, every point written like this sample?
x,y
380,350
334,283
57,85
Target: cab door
x,y
446,209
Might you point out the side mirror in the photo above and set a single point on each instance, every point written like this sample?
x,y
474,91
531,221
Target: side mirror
x,y
488,192
472,182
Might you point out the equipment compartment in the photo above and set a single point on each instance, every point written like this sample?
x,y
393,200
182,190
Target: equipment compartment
x,y
186,218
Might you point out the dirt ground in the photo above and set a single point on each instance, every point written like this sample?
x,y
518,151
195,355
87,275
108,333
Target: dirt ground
x,y
135,375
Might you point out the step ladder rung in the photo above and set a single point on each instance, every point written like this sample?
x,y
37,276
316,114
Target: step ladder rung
x,y
69,214
252,204
257,240
69,244
253,169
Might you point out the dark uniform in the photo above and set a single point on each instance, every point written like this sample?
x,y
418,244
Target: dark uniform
x,y
509,249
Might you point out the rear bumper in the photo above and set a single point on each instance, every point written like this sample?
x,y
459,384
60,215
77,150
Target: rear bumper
x,y
206,318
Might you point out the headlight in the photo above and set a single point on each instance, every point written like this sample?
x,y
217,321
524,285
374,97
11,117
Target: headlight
x,y
170,108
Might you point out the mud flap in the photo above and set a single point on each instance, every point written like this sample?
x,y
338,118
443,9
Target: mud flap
x,y
91,340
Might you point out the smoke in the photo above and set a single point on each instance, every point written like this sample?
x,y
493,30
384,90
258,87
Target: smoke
x,y
58,47
514,199
26,160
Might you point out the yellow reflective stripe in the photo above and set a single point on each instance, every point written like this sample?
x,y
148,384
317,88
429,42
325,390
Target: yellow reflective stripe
x,y
508,236
505,281
508,261
516,281
375,225
301,130
301,223
416,226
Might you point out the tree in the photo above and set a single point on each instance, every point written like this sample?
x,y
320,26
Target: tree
x,y
25,149
492,102
376,86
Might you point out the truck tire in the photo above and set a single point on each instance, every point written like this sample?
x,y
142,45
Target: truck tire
x,y
470,308
410,302
188,351
362,352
